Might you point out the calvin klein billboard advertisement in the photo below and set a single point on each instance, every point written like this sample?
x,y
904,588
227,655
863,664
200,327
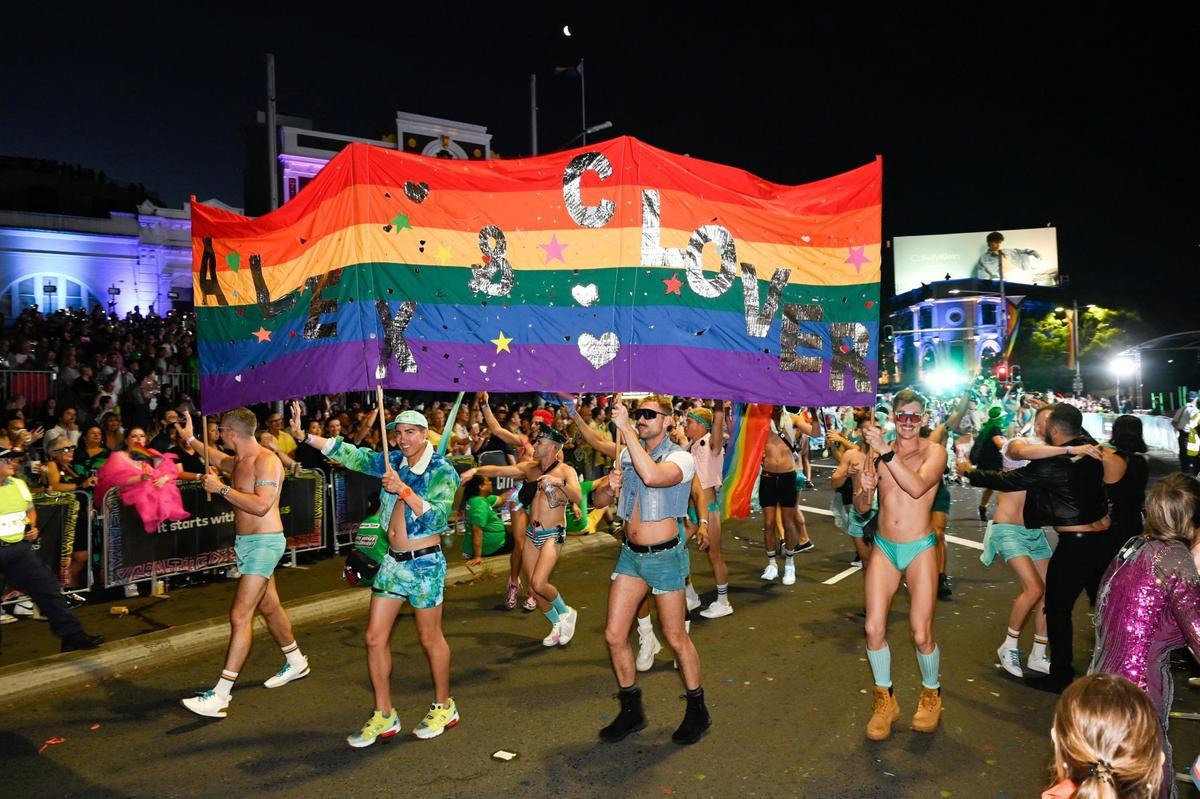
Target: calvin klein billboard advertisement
x,y
1028,257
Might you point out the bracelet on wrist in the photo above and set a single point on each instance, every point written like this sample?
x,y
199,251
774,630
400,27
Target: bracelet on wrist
x,y
404,493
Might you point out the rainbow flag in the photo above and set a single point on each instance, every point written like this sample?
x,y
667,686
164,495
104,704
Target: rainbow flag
x,y
607,268
748,440
1014,324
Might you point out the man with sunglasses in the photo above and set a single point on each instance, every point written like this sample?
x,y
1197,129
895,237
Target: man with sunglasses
x,y
652,479
906,474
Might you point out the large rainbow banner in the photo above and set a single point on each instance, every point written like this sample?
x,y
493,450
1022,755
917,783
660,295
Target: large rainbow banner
x,y
610,268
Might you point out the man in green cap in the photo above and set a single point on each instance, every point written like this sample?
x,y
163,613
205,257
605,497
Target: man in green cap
x,y
417,495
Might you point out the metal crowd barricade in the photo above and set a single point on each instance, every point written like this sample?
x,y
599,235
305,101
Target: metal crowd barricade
x,y
62,510
350,491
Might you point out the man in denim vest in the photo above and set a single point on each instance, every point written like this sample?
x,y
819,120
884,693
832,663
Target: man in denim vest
x,y
656,475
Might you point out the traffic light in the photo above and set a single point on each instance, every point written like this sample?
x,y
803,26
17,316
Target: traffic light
x,y
1015,372
889,333
1001,370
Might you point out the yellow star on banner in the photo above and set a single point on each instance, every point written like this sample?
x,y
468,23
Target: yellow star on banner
x,y
443,254
502,343
262,334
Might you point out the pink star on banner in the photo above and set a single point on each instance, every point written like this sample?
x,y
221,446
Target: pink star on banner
x,y
262,334
858,257
554,249
673,285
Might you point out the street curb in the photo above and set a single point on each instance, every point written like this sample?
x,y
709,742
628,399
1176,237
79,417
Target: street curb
x,y
24,681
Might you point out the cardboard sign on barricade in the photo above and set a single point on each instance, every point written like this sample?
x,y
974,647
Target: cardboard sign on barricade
x,y
58,524
353,493
205,539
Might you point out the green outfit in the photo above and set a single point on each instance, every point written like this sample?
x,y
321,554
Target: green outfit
x,y
481,511
577,524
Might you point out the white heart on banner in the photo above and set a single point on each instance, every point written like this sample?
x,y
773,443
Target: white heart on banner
x,y
599,351
586,295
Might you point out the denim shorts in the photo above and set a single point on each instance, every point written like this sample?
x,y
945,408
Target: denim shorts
x,y
420,580
664,571
259,553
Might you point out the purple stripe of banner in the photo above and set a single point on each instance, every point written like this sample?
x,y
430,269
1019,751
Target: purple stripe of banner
x,y
683,371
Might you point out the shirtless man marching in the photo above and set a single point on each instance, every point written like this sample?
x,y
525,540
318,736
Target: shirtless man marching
x,y
546,531
256,476
777,494
906,474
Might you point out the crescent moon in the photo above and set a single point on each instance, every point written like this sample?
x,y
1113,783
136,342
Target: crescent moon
x,y
566,30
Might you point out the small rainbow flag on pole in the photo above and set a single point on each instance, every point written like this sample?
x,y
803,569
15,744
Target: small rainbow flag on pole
x,y
748,440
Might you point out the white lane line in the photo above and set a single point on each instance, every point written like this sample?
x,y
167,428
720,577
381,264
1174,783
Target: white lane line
x,y
837,578
818,511
822,465
964,542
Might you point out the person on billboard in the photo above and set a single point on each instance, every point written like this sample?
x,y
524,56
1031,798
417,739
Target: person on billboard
x,y
256,477
1020,265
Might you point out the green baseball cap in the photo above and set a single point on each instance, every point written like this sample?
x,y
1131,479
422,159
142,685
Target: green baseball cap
x,y
410,417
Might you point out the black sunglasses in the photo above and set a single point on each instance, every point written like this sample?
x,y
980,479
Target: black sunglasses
x,y
647,413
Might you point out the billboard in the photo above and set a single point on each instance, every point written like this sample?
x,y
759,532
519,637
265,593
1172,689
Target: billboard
x,y
1029,257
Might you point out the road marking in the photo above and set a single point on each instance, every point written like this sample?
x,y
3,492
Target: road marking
x,y
822,465
964,542
837,578
818,511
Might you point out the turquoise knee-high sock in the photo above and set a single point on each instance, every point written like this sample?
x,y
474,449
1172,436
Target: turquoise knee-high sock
x,y
881,666
559,605
552,615
930,665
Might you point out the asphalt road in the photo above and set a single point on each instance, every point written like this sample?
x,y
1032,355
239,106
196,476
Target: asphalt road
x,y
786,679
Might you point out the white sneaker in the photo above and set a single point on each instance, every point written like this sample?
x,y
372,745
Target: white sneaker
x,y
789,574
207,703
24,608
717,609
771,572
555,635
1010,660
567,626
1040,665
648,647
693,599
7,618
286,675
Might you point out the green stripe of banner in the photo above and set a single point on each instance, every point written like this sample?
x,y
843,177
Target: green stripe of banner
x,y
546,287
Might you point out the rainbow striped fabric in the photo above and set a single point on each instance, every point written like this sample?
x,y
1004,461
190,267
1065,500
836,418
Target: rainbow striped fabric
x,y
615,267
751,424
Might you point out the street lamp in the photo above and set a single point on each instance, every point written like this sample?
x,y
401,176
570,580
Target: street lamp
x,y
1121,366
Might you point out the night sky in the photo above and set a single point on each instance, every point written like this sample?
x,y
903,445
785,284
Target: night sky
x,y
985,119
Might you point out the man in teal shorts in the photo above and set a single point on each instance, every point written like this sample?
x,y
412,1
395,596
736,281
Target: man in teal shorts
x,y
414,503
906,475
256,475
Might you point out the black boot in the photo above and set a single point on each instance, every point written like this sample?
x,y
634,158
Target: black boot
x,y
81,640
696,720
630,719
944,591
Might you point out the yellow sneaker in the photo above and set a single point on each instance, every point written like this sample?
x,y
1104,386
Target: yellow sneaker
x,y
439,718
378,726
929,710
884,713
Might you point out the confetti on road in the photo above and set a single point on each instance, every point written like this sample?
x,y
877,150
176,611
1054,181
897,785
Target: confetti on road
x,y
51,742
94,727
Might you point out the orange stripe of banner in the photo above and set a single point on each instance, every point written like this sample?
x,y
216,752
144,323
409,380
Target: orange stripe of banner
x,y
584,249
538,210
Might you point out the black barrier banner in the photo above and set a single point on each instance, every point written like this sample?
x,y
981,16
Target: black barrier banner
x,y
353,493
57,523
205,539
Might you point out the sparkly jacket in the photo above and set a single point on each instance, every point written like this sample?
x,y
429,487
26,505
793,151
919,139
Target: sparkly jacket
x,y
431,477
1148,605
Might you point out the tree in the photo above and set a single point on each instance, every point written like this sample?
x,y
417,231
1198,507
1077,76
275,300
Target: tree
x,y
1042,345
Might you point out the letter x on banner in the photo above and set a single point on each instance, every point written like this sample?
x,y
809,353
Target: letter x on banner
x,y
616,267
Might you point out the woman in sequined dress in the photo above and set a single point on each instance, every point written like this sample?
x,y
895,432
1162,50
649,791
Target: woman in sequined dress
x,y
1149,600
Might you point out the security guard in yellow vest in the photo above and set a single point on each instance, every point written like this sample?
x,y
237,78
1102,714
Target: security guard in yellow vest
x,y
19,564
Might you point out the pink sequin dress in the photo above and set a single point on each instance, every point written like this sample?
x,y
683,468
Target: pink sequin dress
x,y
1148,606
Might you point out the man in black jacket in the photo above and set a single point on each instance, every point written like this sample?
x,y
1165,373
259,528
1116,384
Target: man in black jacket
x,y
1067,492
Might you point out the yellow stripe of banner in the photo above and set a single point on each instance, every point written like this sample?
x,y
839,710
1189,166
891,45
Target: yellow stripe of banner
x,y
585,249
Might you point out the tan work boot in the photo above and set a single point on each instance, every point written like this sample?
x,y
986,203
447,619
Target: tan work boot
x,y
929,710
883,714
